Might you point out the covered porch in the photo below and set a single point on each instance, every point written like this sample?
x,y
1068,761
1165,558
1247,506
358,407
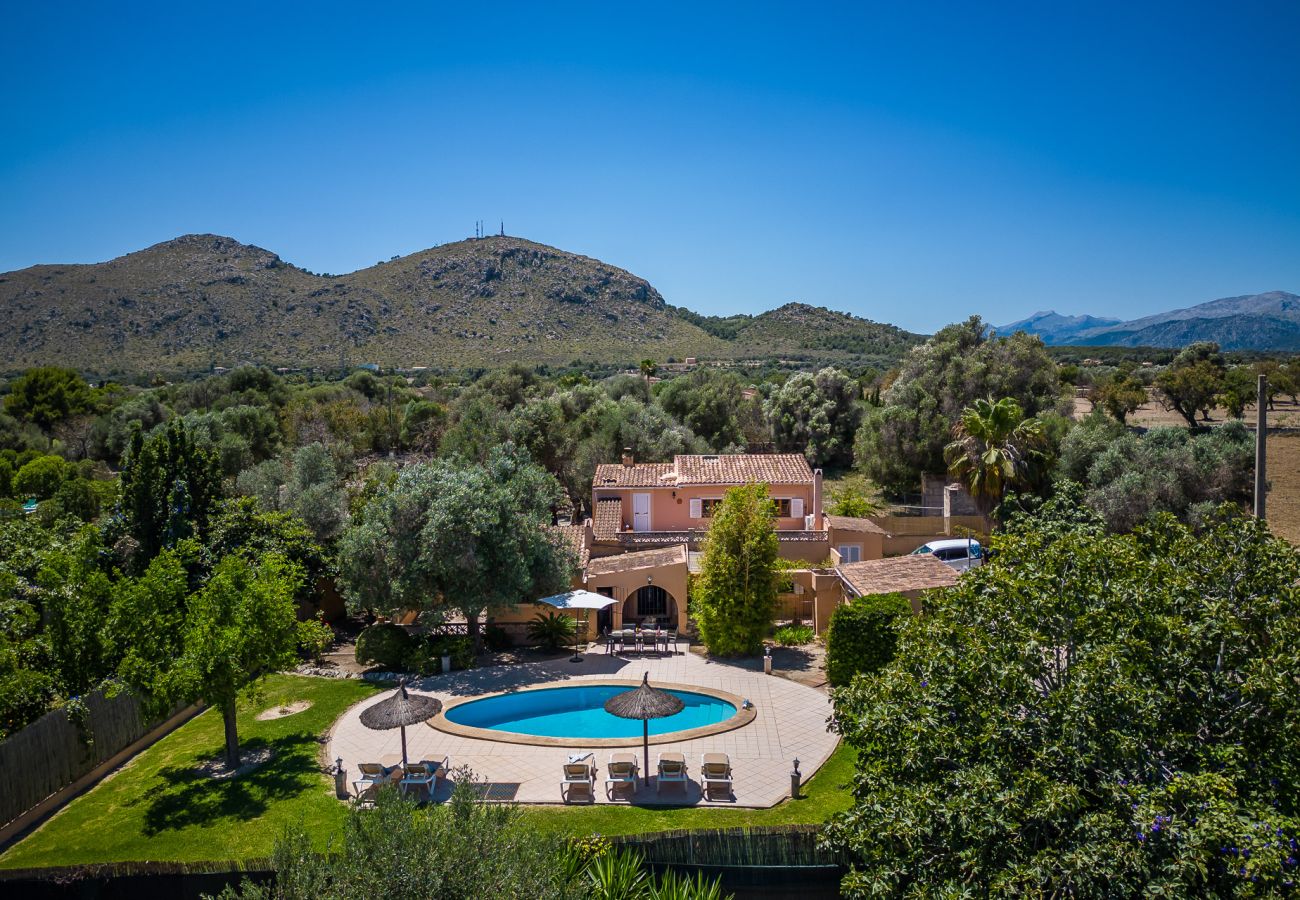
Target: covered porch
x,y
649,585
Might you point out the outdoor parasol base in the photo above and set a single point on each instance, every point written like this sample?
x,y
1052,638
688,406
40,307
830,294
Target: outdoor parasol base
x,y
575,658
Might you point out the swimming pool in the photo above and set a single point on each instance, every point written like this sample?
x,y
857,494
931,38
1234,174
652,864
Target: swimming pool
x,y
577,713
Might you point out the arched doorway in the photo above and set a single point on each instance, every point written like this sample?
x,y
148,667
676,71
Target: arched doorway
x,y
650,602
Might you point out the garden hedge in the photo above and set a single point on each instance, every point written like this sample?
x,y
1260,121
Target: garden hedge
x,y
863,636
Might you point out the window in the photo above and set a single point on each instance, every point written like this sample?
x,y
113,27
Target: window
x,y
782,505
651,600
708,505
850,552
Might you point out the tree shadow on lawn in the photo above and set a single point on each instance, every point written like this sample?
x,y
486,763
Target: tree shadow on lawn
x,y
190,798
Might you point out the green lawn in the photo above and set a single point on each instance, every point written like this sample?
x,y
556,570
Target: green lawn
x,y
158,808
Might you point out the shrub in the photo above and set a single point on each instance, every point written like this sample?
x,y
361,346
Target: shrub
x,y
25,695
41,477
315,637
551,629
863,636
496,638
420,659
383,644
794,635
458,647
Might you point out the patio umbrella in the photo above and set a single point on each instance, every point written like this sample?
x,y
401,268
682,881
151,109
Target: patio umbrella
x,y
644,703
579,599
400,710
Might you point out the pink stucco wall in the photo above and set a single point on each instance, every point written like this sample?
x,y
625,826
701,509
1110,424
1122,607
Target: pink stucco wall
x,y
670,508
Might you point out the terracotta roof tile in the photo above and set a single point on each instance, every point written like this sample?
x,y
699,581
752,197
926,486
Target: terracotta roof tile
x,y
897,573
641,559
743,468
576,535
616,475
607,520
849,523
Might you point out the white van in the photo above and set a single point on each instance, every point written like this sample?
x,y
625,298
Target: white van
x,y
960,553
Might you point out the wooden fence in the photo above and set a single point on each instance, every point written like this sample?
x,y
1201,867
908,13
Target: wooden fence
x,y
780,846
52,752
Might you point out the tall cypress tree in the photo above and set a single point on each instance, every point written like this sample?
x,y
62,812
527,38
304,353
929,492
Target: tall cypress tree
x,y
170,487
734,597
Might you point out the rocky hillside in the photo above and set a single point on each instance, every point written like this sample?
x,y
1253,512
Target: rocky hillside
x,y
204,300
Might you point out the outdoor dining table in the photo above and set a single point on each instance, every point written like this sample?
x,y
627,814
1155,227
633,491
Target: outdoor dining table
x,y
654,636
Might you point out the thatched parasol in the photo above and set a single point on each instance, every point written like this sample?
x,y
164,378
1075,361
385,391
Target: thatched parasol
x,y
400,710
644,703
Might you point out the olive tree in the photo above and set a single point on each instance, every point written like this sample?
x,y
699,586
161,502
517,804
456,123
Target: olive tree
x,y
905,436
458,538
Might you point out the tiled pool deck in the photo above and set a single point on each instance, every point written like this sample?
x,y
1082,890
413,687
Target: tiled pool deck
x,y
790,722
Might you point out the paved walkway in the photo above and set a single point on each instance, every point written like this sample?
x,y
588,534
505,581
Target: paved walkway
x,y
791,722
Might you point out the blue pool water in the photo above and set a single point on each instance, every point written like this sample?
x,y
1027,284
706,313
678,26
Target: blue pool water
x,y
579,712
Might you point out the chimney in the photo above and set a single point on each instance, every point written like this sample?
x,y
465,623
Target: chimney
x,y
817,499
627,456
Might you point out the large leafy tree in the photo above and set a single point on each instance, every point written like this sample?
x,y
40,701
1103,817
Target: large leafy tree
x,y
1193,381
708,402
169,489
1088,715
906,436
733,599
47,395
995,449
817,415
75,592
458,538
241,626
1120,395
241,527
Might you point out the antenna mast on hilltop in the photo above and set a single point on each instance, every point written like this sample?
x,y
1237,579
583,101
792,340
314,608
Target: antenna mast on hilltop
x,y
503,227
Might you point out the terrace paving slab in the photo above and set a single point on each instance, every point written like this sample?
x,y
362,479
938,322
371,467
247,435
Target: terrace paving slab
x,y
790,722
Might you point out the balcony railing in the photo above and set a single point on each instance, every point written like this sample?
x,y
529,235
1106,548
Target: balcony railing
x,y
694,537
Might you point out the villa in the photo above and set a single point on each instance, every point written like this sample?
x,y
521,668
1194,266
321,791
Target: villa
x,y
649,520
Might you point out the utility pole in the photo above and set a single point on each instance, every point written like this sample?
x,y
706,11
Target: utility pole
x,y
1261,446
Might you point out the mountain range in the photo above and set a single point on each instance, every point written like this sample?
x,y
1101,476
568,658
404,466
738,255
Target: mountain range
x,y
204,300
1269,321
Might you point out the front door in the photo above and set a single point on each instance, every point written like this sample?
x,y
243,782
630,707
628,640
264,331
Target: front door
x,y
640,512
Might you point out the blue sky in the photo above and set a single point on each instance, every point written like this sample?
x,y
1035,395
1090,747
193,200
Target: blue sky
x,y
909,165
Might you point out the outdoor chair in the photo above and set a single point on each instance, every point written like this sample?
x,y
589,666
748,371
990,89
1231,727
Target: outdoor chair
x,y
614,642
715,773
621,772
419,775
373,776
672,770
670,639
579,778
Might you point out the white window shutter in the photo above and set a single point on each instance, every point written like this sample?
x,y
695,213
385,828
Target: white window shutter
x,y
697,508
796,508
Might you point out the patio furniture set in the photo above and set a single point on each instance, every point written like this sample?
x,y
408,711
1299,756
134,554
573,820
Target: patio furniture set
x,y
623,773
423,776
641,640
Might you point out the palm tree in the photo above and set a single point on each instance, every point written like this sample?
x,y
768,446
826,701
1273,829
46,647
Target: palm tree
x,y
648,369
995,450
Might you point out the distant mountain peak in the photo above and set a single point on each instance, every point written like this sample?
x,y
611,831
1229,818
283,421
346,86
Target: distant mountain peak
x,y
1267,321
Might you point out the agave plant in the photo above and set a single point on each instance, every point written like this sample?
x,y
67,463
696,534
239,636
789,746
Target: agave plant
x,y
671,886
551,629
618,876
